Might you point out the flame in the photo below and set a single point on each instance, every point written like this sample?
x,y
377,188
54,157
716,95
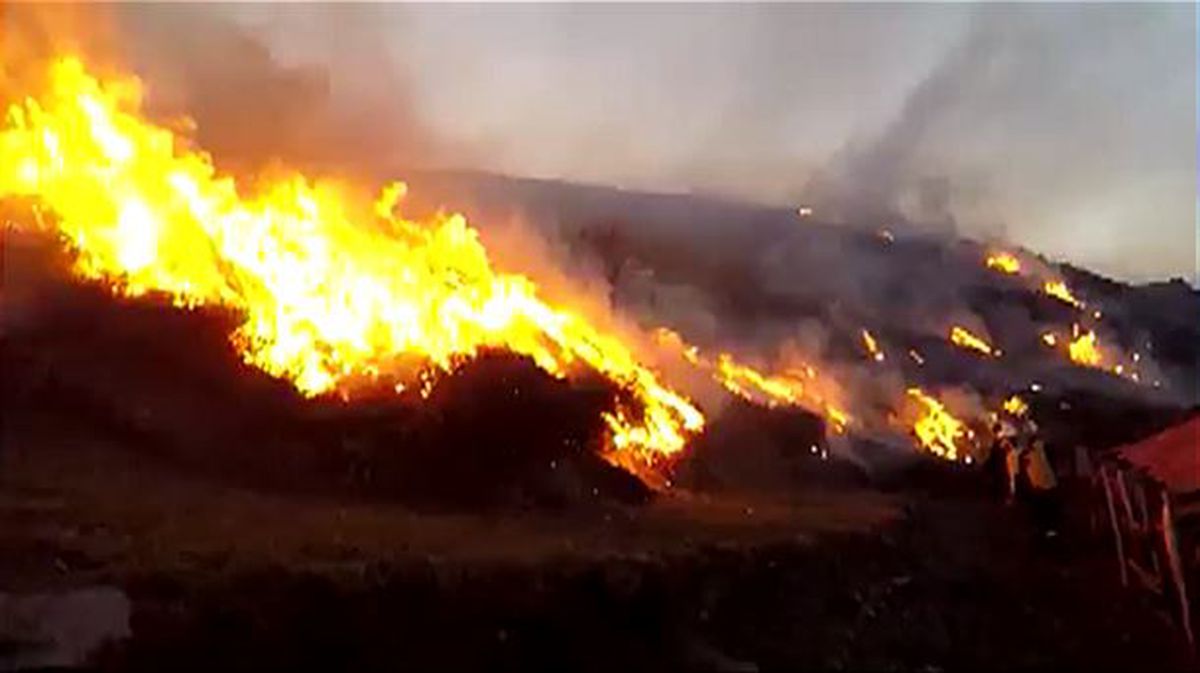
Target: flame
x,y
328,290
872,346
1004,263
796,387
962,337
1084,349
785,389
1015,406
1059,290
936,428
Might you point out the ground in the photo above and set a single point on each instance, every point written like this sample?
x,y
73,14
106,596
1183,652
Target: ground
x,y
226,578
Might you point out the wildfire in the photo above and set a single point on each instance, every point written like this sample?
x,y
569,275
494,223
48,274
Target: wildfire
x,y
1004,263
1059,290
329,289
962,337
872,346
936,428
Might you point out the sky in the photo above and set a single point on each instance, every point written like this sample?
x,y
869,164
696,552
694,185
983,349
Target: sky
x,y
1070,129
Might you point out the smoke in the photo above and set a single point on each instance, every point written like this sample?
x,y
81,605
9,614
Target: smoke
x,y
343,108
866,183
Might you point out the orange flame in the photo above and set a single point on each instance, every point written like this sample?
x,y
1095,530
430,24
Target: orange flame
x,y
936,428
1004,263
1059,290
328,290
962,337
793,388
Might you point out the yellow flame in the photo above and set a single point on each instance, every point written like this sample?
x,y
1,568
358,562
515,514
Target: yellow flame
x,y
872,346
937,430
1059,290
962,337
329,289
1015,405
785,389
1084,349
1004,263
795,387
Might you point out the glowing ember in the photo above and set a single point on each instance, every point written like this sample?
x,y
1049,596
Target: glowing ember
x,y
872,346
1049,339
963,338
1004,263
329,289
916,357
937,430
1059,290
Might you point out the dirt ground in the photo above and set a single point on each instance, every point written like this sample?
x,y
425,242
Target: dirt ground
x,y
228,579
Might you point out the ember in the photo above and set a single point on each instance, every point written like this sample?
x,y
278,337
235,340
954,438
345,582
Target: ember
x,y
872,346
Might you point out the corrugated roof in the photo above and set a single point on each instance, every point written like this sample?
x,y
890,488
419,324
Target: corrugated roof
x,y
1171,456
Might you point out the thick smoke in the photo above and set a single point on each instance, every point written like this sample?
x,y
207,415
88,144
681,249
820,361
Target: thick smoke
x,y
340,108
346,109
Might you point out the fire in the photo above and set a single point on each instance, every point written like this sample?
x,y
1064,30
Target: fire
x,y
1015,405
1059,290
1049,339
329,290
872,346
962,337
1084,349
797,387
1004,263
785,389
936,428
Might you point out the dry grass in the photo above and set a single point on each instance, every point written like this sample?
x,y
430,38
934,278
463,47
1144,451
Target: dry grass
x,y
75,509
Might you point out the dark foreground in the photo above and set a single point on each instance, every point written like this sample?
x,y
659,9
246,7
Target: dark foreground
x,y
221,579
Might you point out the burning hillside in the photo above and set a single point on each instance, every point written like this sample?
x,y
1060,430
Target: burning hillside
x,y
333,292
338,294
343,295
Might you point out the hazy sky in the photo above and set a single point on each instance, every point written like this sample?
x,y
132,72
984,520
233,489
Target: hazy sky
x,y
1069,128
